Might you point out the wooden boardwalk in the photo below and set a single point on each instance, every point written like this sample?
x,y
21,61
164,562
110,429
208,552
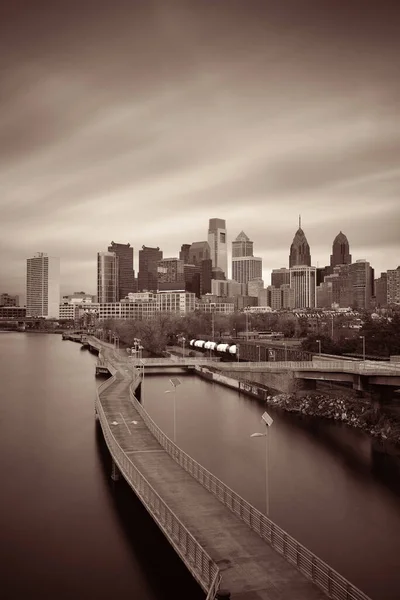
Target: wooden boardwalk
x,y
250,568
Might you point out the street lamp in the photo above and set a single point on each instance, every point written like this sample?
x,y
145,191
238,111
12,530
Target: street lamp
x,y
259,353
363,339
174,382
142,392
319,345
268,420
183,347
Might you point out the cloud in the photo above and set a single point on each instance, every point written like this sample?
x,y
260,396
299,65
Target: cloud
x,y
140,122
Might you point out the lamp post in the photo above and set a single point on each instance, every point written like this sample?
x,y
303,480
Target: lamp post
x,y
268,422
174,382
363,339
319,346
142,394
259,353
183,347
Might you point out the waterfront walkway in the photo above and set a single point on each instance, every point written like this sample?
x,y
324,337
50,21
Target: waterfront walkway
x,y
251,569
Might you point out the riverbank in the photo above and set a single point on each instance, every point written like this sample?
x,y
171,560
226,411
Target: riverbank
x,y
338,405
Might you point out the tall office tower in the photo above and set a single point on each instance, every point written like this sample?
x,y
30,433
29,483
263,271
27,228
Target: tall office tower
x,y
107,277
217,240
360,280
303,281
340,251
280,277
205,276
198,251
242,246
184,253
170,275
126,274
300,250
43,286
245,266
381,290
148,262
393,286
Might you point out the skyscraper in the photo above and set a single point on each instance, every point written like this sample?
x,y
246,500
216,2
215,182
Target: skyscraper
x,y
393,286
198,251
218,244
245,266
242,246
280,277
126,274
170,274
360,280
381,290
148,262
300,250
303,280
43,286
107,277
340,251
184,253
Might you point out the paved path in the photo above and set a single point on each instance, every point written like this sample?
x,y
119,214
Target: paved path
x,y
250,568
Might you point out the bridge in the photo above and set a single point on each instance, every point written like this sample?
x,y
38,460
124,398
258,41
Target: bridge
x,y
289,377
231,548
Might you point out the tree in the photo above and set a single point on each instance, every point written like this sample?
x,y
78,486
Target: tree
x,y
328,346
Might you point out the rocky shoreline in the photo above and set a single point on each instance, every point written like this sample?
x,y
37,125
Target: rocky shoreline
x,y
356,412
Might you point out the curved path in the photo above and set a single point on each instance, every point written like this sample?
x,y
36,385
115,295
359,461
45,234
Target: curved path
x,y
251,569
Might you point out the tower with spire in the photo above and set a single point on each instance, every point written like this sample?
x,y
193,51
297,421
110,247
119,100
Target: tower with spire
x,y
340,251
300,249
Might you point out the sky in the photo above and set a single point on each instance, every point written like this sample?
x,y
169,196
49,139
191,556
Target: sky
x,y
138,121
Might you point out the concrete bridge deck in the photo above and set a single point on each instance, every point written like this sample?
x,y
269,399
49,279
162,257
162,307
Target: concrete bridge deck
x,y
251,569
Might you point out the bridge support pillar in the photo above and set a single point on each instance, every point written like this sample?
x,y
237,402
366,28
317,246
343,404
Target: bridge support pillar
x,y
115,472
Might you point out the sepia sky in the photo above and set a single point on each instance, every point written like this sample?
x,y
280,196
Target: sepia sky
x,y
140,120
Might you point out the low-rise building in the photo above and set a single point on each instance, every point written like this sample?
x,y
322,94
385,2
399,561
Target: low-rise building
x,y
222,308
8,300
178,302
12,312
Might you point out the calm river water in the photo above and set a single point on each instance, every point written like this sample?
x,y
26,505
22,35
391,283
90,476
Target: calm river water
x,y
68,532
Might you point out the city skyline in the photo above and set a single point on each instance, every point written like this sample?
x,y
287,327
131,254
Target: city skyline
x,y
284,111
66,288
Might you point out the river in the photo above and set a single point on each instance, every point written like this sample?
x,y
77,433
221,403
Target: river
x,y
68,531
325,488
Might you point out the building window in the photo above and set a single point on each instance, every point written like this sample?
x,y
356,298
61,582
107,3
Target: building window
x,y
222,238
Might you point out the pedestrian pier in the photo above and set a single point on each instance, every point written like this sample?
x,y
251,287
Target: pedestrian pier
x,y
231,549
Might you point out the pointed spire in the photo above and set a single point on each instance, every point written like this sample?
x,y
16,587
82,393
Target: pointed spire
x,y
299,221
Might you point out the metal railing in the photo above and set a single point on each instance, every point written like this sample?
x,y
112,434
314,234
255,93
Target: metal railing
x,y
172,361
362,368
314,569
199,563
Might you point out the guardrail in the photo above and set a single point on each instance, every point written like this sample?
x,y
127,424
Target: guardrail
x,y
172,361
314,569
362,368
199,563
